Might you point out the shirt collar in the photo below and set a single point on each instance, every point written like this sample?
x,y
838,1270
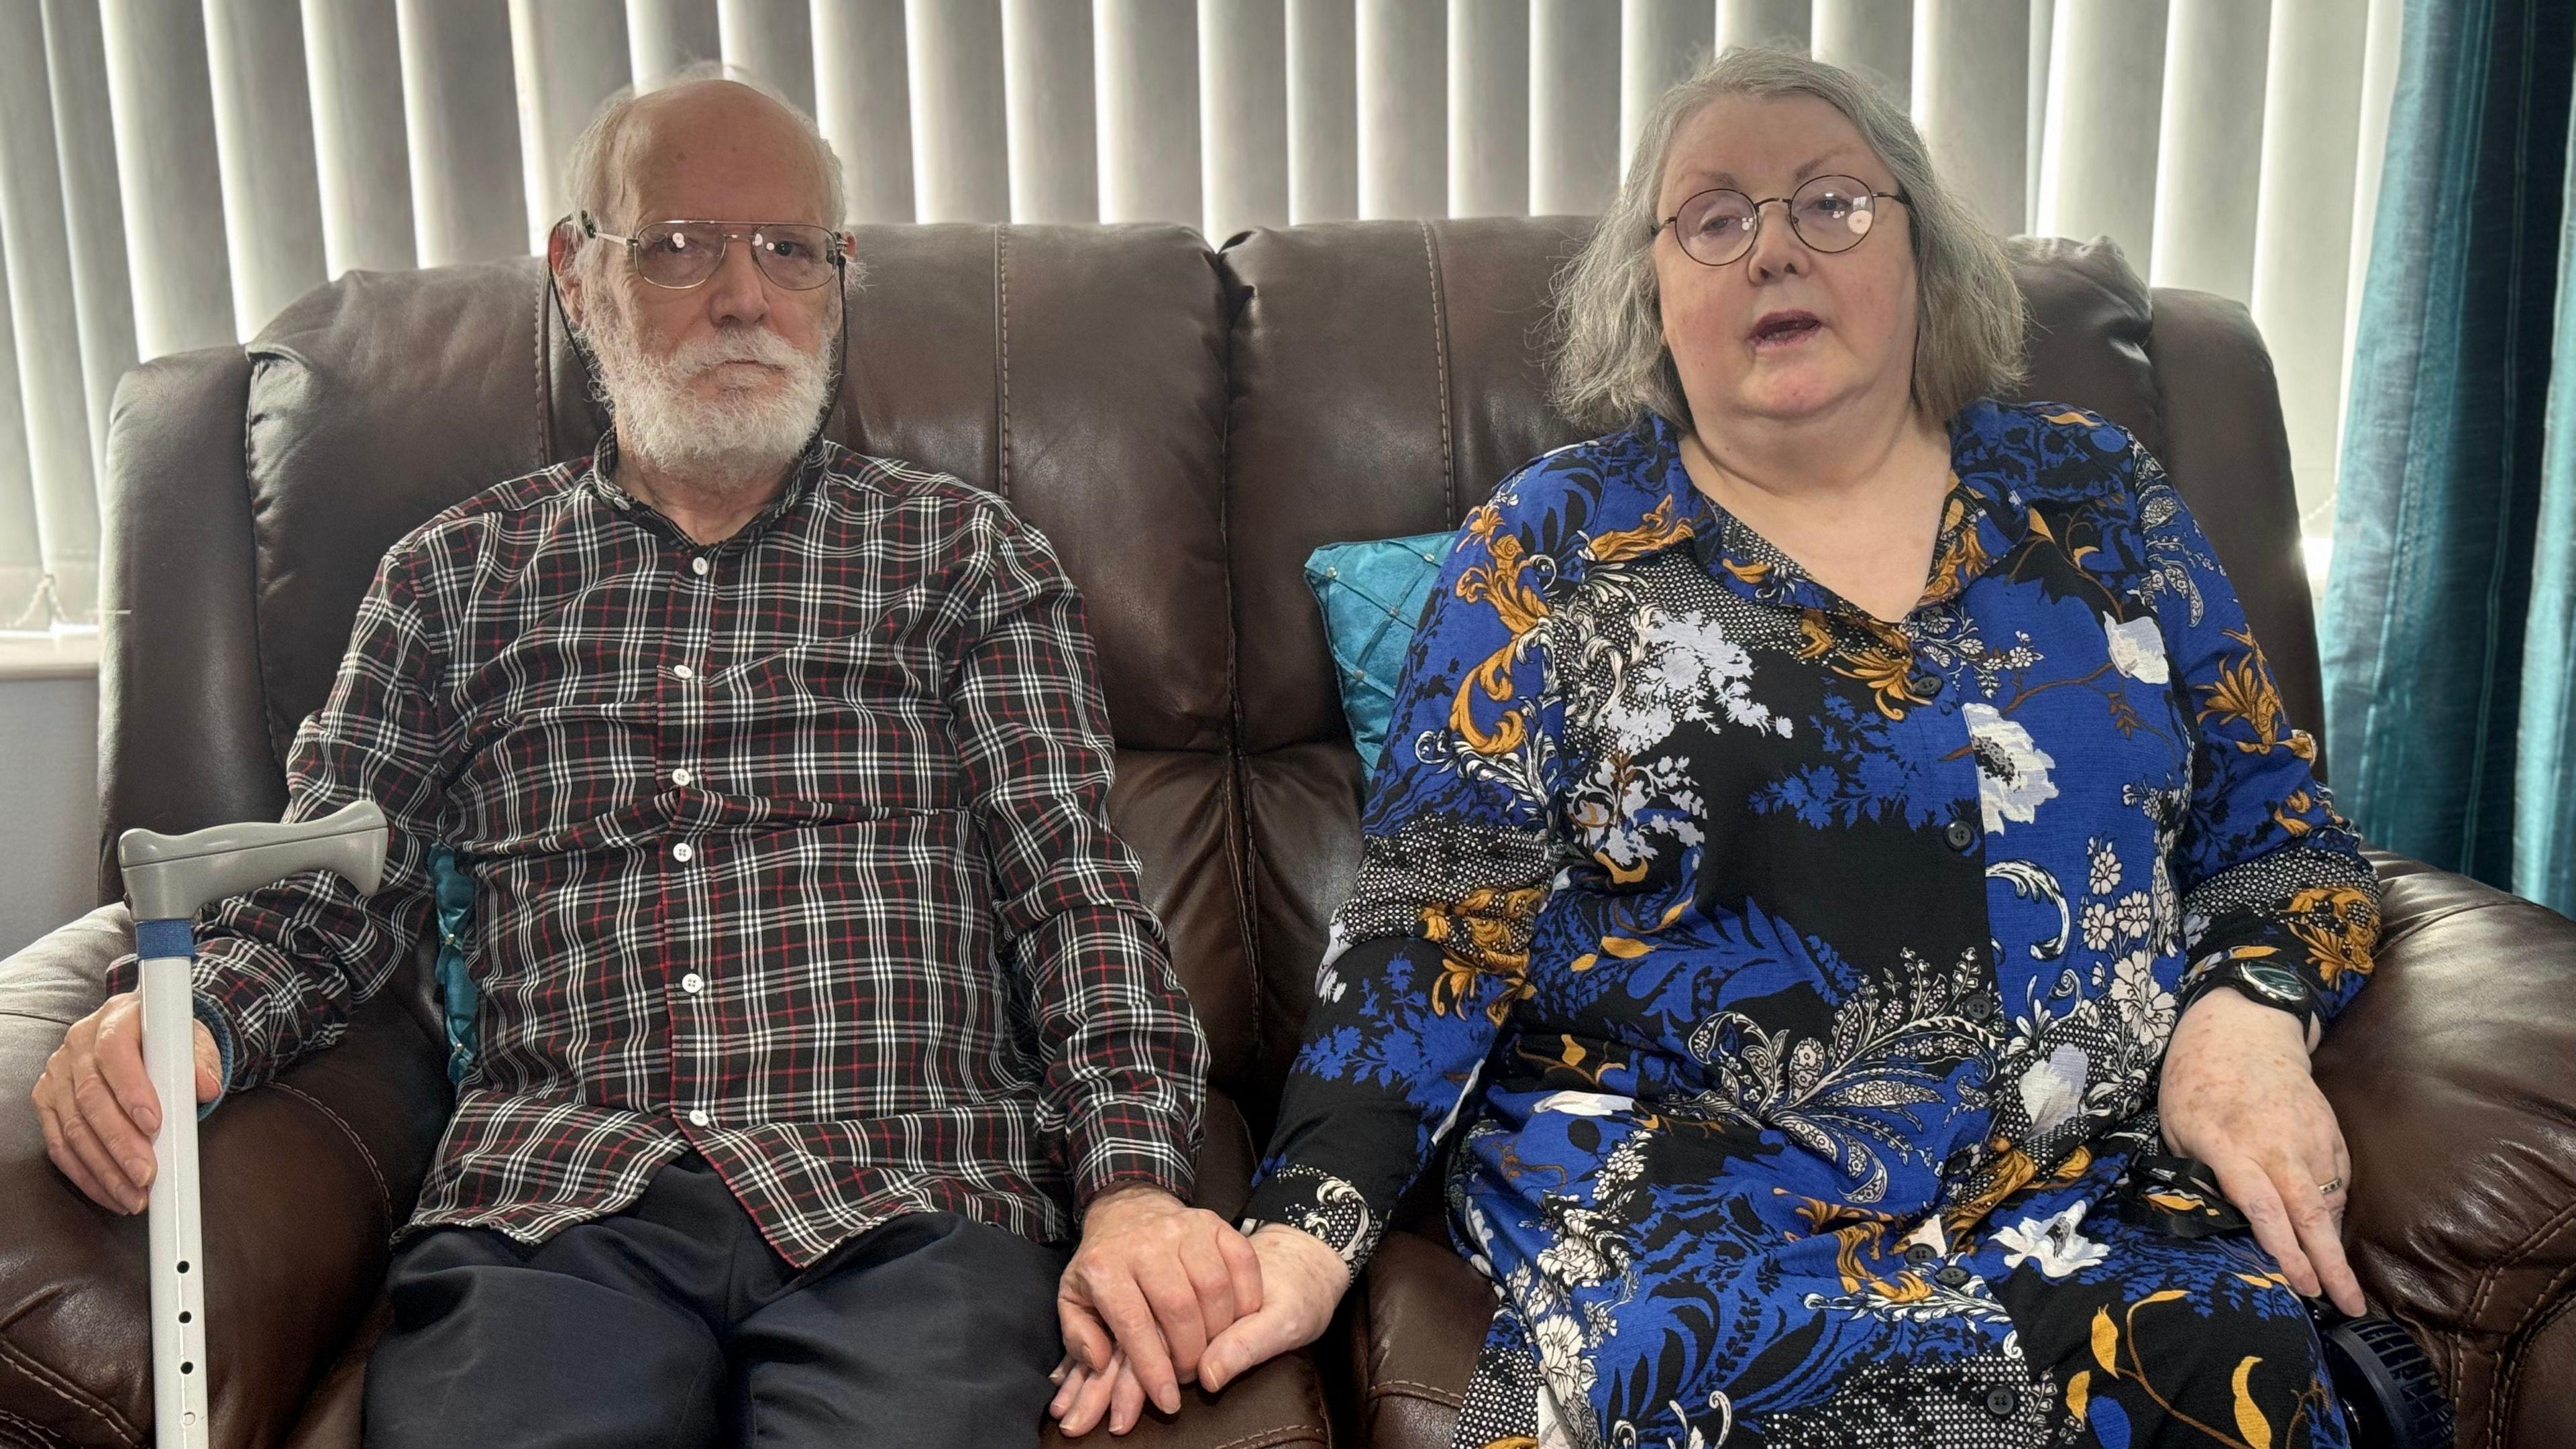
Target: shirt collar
x,y
1986,478
599,475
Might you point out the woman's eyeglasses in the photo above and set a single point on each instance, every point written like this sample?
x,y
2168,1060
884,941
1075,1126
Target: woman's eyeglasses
x,y
1829,214
682,254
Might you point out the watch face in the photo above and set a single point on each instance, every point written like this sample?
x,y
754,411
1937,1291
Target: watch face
x,y
2273,981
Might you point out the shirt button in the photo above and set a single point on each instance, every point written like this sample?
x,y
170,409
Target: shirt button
x,y
681,776
682,671
2003,1403
1920,1254
697,1116
1953,1276
699,565
1961,835
683,852
693,983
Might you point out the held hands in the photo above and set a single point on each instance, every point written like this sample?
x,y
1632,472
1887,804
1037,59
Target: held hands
x,y
1296,1282
98,1108
2237,1096
1152,1282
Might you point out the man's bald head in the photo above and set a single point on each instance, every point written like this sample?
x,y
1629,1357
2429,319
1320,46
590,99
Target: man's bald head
x,y
664,142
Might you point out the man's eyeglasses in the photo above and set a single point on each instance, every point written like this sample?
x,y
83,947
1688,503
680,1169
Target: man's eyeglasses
x,y
682,254
1829,214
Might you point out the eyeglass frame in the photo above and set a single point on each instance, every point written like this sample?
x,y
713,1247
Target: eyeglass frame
x,y
1789,201
842,246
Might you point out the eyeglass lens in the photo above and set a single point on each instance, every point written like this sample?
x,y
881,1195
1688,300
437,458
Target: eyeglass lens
x,y
685,253
1829,213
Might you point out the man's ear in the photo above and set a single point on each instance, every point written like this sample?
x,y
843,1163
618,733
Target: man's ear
x,y
563,244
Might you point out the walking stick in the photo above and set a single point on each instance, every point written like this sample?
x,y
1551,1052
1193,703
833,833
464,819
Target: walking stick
x,y
168,877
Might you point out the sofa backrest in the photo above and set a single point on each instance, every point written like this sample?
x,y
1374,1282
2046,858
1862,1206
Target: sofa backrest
x,y
1184,426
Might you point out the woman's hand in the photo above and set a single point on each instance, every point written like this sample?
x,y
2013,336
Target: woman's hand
x,y
1301,1282
2237,1095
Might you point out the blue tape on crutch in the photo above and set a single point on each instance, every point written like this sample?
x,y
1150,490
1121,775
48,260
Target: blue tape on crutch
x,y
172,937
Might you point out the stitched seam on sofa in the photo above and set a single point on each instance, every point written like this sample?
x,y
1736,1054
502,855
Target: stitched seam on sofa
x,y
2555,1224
37,1435
2512,1384
1002,360
1238,800
1409,1389
384,1194
1284,1434
72,1394
1440,364
2466,1358
250,505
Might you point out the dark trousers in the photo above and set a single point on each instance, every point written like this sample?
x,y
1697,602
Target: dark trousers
x,y
675,1323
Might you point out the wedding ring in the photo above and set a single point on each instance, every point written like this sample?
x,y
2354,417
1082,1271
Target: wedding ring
x,y
2331,1188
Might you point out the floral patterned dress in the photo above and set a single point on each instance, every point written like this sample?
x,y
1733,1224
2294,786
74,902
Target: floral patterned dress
x,y
1792,984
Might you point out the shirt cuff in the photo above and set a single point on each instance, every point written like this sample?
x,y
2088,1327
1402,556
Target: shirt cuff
x,y
203,1008
1317,1203
1136,1151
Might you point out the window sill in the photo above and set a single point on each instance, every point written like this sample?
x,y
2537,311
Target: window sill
x,y
58,654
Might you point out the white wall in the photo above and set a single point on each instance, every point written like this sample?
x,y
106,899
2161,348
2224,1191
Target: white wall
x,y
48,804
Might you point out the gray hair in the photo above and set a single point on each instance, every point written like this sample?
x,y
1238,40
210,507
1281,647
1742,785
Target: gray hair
x,y
1611,363
590,179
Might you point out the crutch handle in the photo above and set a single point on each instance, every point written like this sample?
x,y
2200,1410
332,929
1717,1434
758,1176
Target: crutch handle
x,y
170,876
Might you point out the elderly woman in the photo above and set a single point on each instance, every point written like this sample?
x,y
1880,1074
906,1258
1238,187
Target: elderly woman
x,y
1836,836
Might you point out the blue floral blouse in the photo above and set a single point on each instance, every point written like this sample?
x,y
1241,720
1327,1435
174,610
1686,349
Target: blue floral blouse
x,y
1792,983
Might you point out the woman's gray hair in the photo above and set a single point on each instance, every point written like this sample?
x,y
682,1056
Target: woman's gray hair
x,y
1611,363
590,168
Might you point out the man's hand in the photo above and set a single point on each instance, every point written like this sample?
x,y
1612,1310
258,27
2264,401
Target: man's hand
x,y
1302,1281
1154,1280
2237,1096
97,1104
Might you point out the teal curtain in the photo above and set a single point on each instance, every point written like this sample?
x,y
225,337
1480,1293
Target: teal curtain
x,y
2450,622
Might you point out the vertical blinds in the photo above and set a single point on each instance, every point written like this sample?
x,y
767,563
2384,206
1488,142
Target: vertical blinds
x,y
173,172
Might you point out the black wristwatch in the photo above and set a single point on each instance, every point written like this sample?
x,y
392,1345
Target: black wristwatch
x,y
2274,986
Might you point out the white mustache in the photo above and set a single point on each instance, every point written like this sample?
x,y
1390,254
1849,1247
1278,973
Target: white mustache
x,y
756,344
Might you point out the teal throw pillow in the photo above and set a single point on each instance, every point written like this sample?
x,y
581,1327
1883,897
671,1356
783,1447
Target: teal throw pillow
x,y
1372,595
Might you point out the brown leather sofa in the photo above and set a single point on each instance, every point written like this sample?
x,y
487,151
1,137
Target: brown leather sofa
x,y
1186,427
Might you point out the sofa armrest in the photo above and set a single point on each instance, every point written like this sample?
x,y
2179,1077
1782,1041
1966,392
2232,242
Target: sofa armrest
x,y
2454,1076
303,1182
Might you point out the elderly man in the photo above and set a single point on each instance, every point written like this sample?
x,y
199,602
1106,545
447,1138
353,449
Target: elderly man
x,y
819,1003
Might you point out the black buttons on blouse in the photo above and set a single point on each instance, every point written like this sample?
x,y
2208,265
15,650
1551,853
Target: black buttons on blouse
x,y
1919,1254
2002,1402
1961,835
1953,1276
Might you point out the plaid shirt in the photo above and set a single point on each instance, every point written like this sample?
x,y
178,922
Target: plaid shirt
x,y
793,850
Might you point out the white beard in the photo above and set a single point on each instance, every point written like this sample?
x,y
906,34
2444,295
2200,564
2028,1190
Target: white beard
x,y
664,413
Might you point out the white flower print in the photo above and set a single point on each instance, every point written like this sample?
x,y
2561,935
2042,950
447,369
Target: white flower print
x,y
2137,649
1561,1357
2055,1244
2099,926
2104,858
2145,1007
1584,1104
2012,770
1623,802
2053,1089
2136,915
1685,669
